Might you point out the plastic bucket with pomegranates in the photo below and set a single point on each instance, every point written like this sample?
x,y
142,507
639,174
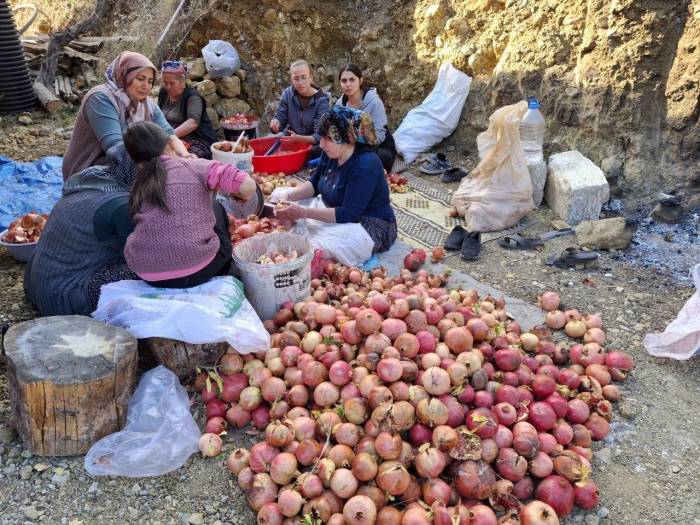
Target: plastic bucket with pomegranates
x,y
243,161
289,158
268,286
235,124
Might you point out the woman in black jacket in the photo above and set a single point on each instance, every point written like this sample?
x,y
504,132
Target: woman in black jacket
x,y
185,110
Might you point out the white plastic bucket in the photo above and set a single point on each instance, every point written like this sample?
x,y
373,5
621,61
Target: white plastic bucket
x,y
243,161
268,286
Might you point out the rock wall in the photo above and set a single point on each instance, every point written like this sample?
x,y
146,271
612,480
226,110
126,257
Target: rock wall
x,y
618,79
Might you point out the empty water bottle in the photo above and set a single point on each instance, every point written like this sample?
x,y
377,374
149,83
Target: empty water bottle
x,y
532,132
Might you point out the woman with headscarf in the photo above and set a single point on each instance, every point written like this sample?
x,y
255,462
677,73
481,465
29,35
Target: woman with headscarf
x,y
349,183
185,110
82,245
110,108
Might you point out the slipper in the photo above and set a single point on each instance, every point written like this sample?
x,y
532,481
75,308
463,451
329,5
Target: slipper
x,y
571,257
518,242
471,246
455,239
453,175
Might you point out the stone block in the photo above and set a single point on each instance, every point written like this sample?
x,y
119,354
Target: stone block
x,y
228,87
214,117
576,188
205,87
196,69
607,234
538,176
231,106
211,99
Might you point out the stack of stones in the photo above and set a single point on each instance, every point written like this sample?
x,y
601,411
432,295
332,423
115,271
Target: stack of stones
x,y
222,95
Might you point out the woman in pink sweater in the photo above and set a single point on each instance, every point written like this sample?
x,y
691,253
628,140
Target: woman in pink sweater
x,y
180,236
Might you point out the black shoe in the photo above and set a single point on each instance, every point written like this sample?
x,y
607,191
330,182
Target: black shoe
x,y
471,246
455,239
453,175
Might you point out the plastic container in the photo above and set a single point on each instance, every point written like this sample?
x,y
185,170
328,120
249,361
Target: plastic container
x,y
19,251
232,126
289,158
532,132
243,161
268,286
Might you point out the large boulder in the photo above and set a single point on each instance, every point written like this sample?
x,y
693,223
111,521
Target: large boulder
x,y
606,234
231,106
205,87
228,87
576,188
196,69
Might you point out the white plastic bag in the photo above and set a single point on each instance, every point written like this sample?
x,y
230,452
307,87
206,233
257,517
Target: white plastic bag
x,y
220,58
160,433
213,312
498,192
681,339
436,117
348,243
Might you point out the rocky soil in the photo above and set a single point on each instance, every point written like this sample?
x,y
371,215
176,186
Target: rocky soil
x,y
646,468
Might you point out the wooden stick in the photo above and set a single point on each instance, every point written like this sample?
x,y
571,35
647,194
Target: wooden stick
x,y
238,141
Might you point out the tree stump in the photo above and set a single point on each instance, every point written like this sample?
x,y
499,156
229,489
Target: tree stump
x,y
70,378
184,358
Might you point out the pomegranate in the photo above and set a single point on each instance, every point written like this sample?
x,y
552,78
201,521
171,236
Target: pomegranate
x,y
538,513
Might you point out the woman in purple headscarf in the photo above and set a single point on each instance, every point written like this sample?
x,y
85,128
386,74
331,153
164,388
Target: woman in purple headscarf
x,y
185,110
110,108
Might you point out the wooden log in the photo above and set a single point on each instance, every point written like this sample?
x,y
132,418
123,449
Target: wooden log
x,y
88,73
48,100
184,358
84,57
70,380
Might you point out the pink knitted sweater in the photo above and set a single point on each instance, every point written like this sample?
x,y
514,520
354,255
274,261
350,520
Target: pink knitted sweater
x,y
176,244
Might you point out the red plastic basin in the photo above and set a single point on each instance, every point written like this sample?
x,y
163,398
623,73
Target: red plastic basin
x,y
289,158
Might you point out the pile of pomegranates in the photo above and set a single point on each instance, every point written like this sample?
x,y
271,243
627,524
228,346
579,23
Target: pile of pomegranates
x,y
396,400
240,229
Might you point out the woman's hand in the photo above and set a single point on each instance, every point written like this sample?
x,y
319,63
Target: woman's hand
x,y
247,190
289,211
179,148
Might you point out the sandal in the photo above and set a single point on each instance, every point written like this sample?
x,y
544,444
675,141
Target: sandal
x,y
572,257
518,242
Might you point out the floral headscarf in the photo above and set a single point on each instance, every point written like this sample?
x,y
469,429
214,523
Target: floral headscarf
x,y
174,67
117,77
344,125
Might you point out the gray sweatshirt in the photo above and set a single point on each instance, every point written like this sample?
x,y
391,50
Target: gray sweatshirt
x,y
372,104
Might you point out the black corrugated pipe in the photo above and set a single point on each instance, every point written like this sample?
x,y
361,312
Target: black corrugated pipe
x,y
16,91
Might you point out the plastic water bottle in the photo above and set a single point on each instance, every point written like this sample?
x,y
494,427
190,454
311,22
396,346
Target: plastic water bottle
x,y
532,132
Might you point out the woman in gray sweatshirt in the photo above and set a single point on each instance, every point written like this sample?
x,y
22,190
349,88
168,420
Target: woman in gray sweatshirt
x,y
359,96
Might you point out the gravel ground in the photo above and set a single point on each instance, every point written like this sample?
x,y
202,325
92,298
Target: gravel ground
x,y
646,468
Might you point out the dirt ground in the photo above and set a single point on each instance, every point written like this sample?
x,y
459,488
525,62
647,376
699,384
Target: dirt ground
x,y
646,468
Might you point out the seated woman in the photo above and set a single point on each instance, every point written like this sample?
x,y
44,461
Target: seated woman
x,y
108,109
82,245
350,181
357,94
301,106
185,110
180,237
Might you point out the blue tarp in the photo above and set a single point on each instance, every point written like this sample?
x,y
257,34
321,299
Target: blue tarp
x,y
28,186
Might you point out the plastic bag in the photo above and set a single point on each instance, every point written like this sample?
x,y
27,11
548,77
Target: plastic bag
x,y
28,186
498,192
348,243
209,313
160,433
436,117
681,339
220,58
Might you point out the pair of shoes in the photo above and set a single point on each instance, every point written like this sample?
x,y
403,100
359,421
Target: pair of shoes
x,y
453,175
435,164
468,243
572,257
